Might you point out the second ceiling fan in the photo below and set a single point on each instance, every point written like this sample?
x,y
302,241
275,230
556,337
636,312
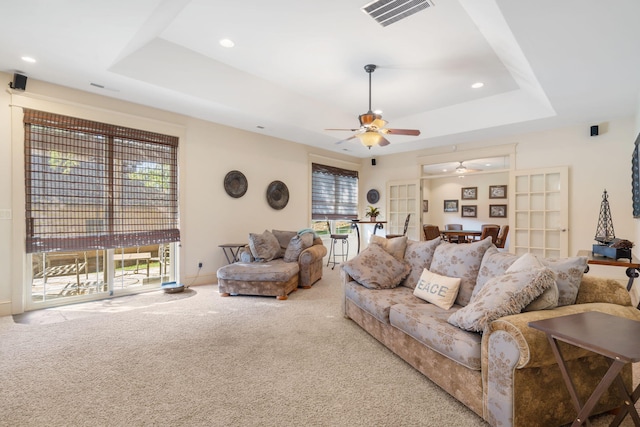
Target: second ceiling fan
x,y
371,131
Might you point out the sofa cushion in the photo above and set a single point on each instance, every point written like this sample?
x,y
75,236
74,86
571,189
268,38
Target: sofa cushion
x,y
394,246
378,302
463,261
494,263
273,271
428,324
265,246
501,296
436,289
296,245
569,272
419,256
374,268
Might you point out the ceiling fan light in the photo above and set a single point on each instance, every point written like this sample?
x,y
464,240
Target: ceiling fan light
x,y
369,139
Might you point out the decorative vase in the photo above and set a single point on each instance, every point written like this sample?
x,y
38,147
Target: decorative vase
x,y
373,218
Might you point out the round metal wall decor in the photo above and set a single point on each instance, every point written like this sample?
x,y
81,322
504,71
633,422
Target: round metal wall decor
x,y
373,196
235,184
277,195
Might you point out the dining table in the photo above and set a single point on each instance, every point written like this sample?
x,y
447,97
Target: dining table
x,y
447,234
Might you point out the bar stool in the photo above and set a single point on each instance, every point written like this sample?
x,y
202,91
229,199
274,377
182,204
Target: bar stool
x,y
344,242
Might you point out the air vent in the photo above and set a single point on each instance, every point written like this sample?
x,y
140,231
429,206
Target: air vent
x,y
386,12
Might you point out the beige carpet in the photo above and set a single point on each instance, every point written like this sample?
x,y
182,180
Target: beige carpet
x,y
196,359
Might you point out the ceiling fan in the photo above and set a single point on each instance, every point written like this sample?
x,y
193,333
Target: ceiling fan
x,y
463,169
371,131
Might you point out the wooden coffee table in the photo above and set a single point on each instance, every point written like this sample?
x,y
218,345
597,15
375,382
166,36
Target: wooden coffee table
x,y
614,337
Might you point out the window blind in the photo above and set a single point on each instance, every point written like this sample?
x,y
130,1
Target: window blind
x,y
334,192
92,185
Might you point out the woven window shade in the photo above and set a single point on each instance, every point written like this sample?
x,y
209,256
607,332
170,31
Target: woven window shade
x,y
93,185
334,193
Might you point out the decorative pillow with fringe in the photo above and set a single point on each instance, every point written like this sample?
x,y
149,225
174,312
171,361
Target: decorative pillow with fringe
x,y
502,296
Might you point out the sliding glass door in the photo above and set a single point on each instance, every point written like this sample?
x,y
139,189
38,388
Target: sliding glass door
x,y
64,277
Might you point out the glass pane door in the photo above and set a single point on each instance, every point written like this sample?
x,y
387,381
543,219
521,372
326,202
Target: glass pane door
x,y
541,212
83,275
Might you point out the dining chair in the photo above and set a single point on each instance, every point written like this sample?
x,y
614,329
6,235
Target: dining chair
x,y
404,232
502,236
431,231
490,230
453,238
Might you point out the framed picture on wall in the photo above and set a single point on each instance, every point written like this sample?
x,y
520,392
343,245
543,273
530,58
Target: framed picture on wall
x,y
498,211
470,211
469,193
497,191
425,206
451,206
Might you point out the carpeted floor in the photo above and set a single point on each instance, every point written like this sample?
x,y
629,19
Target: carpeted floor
x,y
195,358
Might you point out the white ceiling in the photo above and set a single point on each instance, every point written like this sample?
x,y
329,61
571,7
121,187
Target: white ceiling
x,y
297,66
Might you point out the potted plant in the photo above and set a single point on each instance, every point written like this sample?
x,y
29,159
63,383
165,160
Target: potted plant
x,y
372,213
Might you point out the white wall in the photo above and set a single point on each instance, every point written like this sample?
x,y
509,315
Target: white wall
x,y
208,151
208,216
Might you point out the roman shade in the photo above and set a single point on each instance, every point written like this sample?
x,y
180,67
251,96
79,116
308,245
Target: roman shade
x,y
92,185
334,192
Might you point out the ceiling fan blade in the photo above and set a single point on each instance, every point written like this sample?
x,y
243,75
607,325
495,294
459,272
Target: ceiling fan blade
x,y
350,130
383,141
413,132
345,140
378,123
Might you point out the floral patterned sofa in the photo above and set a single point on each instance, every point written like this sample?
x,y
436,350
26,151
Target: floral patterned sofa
x,y
472,339
274,263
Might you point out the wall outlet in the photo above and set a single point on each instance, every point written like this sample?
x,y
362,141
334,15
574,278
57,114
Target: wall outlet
x,y
199,264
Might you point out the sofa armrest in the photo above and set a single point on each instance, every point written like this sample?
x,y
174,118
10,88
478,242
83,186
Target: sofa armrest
x,y
533,346
309,255
600,289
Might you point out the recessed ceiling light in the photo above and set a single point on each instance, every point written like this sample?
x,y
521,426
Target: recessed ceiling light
x,y
28,59
227,43
477,85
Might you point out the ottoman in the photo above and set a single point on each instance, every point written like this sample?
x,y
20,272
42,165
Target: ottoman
x,y
274,278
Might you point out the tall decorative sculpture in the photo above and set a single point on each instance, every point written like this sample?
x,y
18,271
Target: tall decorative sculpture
x,y
608,246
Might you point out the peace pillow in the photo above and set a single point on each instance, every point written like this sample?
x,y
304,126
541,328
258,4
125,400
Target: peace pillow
x,y
436,289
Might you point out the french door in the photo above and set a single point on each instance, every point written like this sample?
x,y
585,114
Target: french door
x,y
541,212
404,198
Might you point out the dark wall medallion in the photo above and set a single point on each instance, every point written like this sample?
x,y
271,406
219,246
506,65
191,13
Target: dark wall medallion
x,y
373,196
277,195
235,184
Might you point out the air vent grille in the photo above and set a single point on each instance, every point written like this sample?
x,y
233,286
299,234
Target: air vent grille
x,y
386,12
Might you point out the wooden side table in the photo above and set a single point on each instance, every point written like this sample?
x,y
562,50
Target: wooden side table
x,y
614,337
632,266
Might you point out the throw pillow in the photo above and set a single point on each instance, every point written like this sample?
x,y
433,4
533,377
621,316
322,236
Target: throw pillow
x,y
494,263
502,296
436,289
296,246
284,237
374,268
265,246
460,260
569,273
395,246
549,298
419,256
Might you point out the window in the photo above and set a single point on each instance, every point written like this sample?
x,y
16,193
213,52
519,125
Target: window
x,y
334,193
92,185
